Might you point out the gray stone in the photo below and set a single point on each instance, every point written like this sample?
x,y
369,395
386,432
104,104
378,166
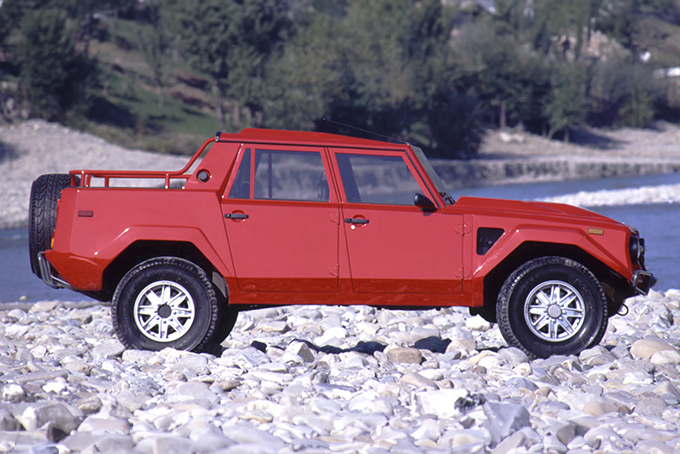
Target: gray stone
x,y
106,350
209,440
13,392
79,441
193,391
598,408
228,385
8,422
42,306
440,403
171,445
40,376
404,355
82,316
58,414
505,419
246,435
415,379
512,357
651,405
191,361
564,432
77,366
114,443
138,356
553,445
514,441
89,405
108,424
653,447
646,348
302,350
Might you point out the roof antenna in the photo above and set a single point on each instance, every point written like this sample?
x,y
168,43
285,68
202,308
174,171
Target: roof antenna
x,y
382,136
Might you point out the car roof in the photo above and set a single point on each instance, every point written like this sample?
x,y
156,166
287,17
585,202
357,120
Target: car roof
x,y
277,136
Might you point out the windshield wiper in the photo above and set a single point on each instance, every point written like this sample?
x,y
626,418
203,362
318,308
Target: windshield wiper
x,y
447,198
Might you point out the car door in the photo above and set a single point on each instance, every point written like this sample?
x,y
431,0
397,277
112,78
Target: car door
x,y
282,221
393,246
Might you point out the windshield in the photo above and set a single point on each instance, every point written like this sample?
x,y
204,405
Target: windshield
x,y
438,183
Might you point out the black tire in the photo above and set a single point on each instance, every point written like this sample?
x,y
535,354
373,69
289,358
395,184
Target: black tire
x,y
140,306
531,319
42,214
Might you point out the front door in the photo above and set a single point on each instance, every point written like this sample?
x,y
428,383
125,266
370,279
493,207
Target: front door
x,y
394,247
282,221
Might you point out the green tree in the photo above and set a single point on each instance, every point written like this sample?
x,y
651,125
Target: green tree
x,y
566,106
230,40
54,73
156,45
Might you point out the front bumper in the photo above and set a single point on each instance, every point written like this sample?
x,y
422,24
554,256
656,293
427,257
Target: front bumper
x,y
643,281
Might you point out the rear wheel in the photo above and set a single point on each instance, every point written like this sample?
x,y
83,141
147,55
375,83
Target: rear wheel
x,y
42,214
552,306
165,302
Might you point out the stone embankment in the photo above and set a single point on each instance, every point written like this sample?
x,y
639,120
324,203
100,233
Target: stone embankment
x,y
344,380
482,172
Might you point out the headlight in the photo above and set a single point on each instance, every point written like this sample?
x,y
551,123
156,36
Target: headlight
x,y
637,250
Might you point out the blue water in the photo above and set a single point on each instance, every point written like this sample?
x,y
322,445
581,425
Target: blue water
x,y
655,222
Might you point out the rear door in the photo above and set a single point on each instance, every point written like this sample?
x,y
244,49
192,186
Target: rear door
x,y
282,220
394,247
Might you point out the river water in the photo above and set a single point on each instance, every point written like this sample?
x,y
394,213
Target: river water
x,y
656,223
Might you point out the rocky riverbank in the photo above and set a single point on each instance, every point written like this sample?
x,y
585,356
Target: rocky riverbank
x,y
346,380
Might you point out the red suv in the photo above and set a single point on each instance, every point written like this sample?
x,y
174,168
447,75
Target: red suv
x,y
264,218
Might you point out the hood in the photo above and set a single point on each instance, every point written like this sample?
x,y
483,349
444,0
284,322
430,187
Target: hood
x,y
543,209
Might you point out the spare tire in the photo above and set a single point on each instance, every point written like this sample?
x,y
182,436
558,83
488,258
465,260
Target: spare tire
x,y
42,214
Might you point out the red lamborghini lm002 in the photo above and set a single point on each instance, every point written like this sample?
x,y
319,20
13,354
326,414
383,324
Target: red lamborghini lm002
x,y
265,217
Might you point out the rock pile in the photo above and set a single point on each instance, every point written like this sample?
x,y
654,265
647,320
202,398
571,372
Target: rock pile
x,y
330,379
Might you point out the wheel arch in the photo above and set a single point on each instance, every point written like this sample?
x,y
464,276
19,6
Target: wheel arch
x,y
142,250
531,250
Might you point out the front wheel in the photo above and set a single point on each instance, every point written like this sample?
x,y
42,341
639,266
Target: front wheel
x,y
165,302
552,306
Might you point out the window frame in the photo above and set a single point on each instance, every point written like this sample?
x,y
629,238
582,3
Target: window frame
x,y
425,189
254,147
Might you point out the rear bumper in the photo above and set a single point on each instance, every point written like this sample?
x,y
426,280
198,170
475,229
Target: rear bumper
x,y
47,274
642,281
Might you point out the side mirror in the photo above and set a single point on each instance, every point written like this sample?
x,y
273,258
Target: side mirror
x,y
424,203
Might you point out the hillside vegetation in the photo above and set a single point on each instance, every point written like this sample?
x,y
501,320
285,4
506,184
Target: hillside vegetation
x,y
164,74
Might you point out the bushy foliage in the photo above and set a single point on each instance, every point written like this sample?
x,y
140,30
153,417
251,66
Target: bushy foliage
x,y
53,72
431,72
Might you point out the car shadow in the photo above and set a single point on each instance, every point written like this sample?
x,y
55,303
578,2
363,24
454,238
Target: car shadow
x,y
433,344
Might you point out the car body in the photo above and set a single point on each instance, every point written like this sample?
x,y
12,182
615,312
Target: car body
x,y
282,218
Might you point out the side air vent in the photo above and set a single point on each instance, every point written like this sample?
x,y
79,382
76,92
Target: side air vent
x,y
486,238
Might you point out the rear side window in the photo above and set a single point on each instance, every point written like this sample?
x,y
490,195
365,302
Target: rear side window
x,y
281,175
377,179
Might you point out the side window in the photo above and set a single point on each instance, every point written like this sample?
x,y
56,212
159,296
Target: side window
x,y
282,175
377,179
241,187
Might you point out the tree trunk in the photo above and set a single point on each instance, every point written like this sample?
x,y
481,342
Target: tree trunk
x,y
566,134
217,94
503,119
237,116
